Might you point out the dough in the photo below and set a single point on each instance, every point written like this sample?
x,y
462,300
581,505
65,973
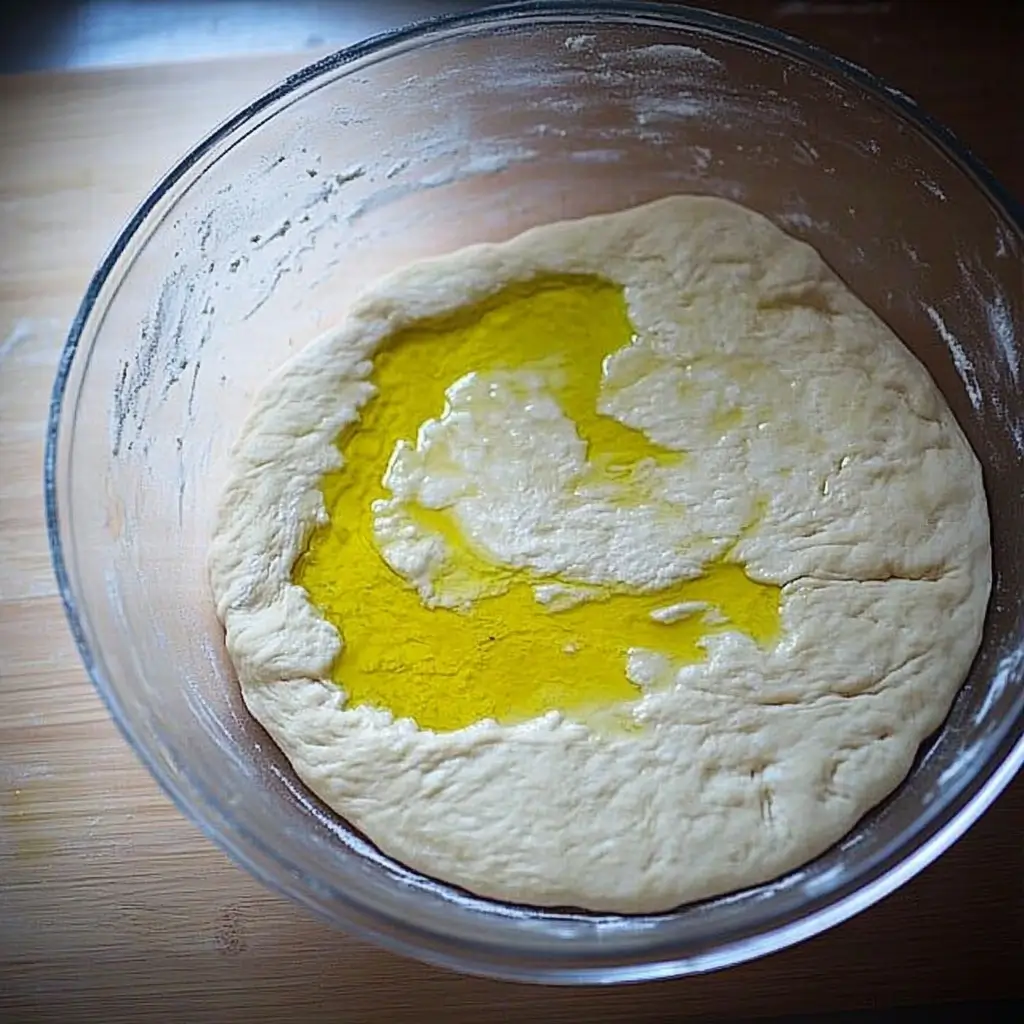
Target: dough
x,y
815,451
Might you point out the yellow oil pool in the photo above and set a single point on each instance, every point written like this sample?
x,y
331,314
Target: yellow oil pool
x,y
504,656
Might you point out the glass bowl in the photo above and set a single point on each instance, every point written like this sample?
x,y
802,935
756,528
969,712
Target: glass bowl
x,y
461,130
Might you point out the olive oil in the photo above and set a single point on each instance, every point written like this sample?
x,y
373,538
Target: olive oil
x,y
502,654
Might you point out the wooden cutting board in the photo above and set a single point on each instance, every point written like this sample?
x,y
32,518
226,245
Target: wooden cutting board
x,y
112,906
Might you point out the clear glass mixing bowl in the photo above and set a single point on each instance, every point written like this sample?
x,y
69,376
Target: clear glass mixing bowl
x,y
468,129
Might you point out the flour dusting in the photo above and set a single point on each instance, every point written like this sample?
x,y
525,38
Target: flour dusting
x,y
577,43
652,107
964,366
597,156
1001,326
994,316
1004,243
677,53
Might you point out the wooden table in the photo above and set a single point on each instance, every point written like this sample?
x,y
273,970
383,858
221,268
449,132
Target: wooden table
x,y
112,906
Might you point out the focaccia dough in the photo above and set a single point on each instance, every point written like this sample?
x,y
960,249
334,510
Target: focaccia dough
x,y
871,517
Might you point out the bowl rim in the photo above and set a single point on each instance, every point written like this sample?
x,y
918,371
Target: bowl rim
x,y
972,798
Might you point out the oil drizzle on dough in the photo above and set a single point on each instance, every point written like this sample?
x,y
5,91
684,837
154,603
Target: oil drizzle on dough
x,y
501,655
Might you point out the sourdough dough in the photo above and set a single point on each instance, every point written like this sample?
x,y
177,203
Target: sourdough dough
x,y
871,516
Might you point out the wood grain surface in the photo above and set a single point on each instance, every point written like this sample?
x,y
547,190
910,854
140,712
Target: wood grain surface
x,y
112,906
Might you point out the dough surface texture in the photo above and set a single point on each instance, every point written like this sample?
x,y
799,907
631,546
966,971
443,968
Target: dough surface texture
x,y
816,452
